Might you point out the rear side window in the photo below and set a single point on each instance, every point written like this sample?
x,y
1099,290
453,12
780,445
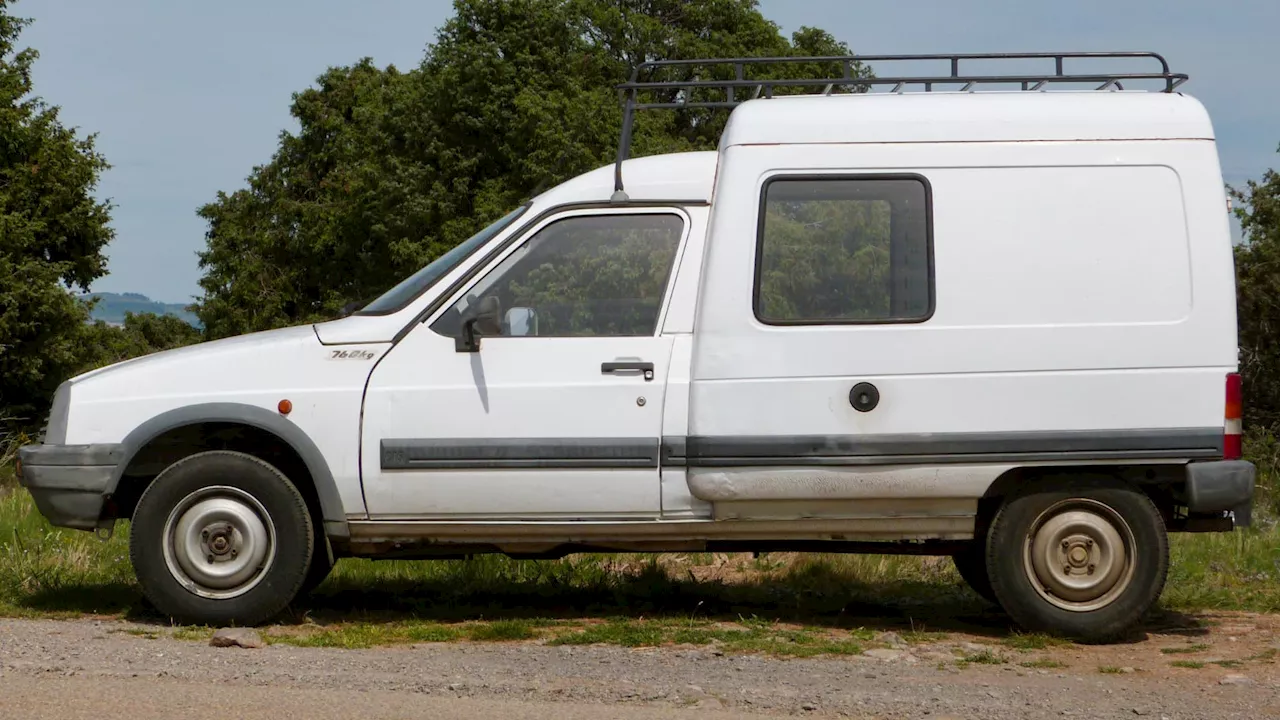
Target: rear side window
x,y
839,250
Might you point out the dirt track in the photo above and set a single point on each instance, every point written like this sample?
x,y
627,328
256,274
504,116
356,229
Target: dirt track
x,y
95,669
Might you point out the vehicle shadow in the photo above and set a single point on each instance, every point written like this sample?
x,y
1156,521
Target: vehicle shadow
x,y
817,595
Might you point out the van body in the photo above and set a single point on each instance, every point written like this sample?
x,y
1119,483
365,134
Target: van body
x,y
998,326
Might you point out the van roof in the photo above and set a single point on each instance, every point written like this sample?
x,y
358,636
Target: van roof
x,y
1014,116
677,177
989,116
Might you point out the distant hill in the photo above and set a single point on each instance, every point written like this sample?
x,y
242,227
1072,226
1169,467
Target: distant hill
x,y
111,307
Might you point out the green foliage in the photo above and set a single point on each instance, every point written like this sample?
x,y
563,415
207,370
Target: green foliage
x,y
1262,447
390,169
143,334
1258,298
52,234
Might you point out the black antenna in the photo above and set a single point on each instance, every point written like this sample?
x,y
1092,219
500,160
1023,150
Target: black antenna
x,y
723,94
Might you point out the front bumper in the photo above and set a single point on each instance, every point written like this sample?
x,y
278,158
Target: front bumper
x,y
1222,486
70,482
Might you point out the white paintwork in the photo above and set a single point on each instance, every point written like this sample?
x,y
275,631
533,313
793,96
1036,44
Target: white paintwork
x,y
257,370
678,500
1080,286
1084,281
515,387
988,116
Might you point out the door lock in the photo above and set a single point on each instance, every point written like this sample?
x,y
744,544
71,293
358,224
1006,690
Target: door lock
x,y
864,397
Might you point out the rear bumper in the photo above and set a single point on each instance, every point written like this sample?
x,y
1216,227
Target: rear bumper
x,y
70,482
1221,486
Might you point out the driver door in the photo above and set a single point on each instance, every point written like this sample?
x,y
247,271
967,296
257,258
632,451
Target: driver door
x,y
554,411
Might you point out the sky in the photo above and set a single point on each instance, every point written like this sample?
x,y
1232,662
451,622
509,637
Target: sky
x,y
187,97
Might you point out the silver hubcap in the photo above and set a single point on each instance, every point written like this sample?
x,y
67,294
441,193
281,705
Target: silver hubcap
x,y
1079,555
219,542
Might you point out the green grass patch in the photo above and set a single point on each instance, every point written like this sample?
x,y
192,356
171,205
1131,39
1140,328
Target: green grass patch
x,y
626,634
1110,670
1032,641
431,632
360,635
501,631
200,634
985,657
741,638
1191,664
1198,647
1043,664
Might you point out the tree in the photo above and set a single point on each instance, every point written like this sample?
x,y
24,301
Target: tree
x,y
142,334
52,234
1258,298
388,170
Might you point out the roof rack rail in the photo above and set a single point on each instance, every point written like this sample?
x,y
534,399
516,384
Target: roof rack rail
x,y
697,93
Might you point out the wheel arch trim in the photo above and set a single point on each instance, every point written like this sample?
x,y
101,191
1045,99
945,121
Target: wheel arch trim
x,y
326,487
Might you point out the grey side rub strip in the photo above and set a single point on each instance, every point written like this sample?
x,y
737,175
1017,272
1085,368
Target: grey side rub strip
x,y
1180,443
804,450
519,453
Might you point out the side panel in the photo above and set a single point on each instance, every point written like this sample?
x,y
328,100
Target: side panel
x,y
253,373
1080,289
531,426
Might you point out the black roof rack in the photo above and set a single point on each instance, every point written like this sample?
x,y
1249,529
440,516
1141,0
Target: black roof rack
x,y
694,92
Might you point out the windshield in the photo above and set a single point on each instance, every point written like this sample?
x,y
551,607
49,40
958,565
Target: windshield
x,y
414,285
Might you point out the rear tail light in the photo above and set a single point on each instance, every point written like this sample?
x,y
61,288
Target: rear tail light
x,y
1233,427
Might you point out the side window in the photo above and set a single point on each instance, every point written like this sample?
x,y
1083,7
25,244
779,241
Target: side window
x,y
597,275
844,250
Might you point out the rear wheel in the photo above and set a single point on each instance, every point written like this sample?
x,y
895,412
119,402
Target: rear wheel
x,y
1085,559
221,537
971,563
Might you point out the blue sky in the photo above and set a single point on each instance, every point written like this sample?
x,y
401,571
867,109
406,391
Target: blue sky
x,y
187,97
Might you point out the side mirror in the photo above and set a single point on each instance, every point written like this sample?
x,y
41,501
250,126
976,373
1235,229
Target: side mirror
x,y
521,322
483,320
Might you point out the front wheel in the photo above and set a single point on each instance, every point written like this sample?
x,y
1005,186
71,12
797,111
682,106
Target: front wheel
x,y
1085,559
219,538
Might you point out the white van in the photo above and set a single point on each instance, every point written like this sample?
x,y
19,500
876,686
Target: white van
x,y
994,325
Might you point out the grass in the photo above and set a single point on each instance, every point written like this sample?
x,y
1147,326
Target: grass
x,y
984,657
785,604
503,630
1110,670
200,634
1198,647
1191,664
1033,641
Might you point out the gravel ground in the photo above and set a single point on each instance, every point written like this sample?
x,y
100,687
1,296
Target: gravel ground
x,y
67,668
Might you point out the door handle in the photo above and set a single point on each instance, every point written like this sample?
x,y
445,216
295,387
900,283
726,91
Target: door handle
x,y
623,366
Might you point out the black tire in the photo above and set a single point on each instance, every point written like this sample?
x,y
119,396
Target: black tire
x,y
256,486
971,563
1039,515
322,562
